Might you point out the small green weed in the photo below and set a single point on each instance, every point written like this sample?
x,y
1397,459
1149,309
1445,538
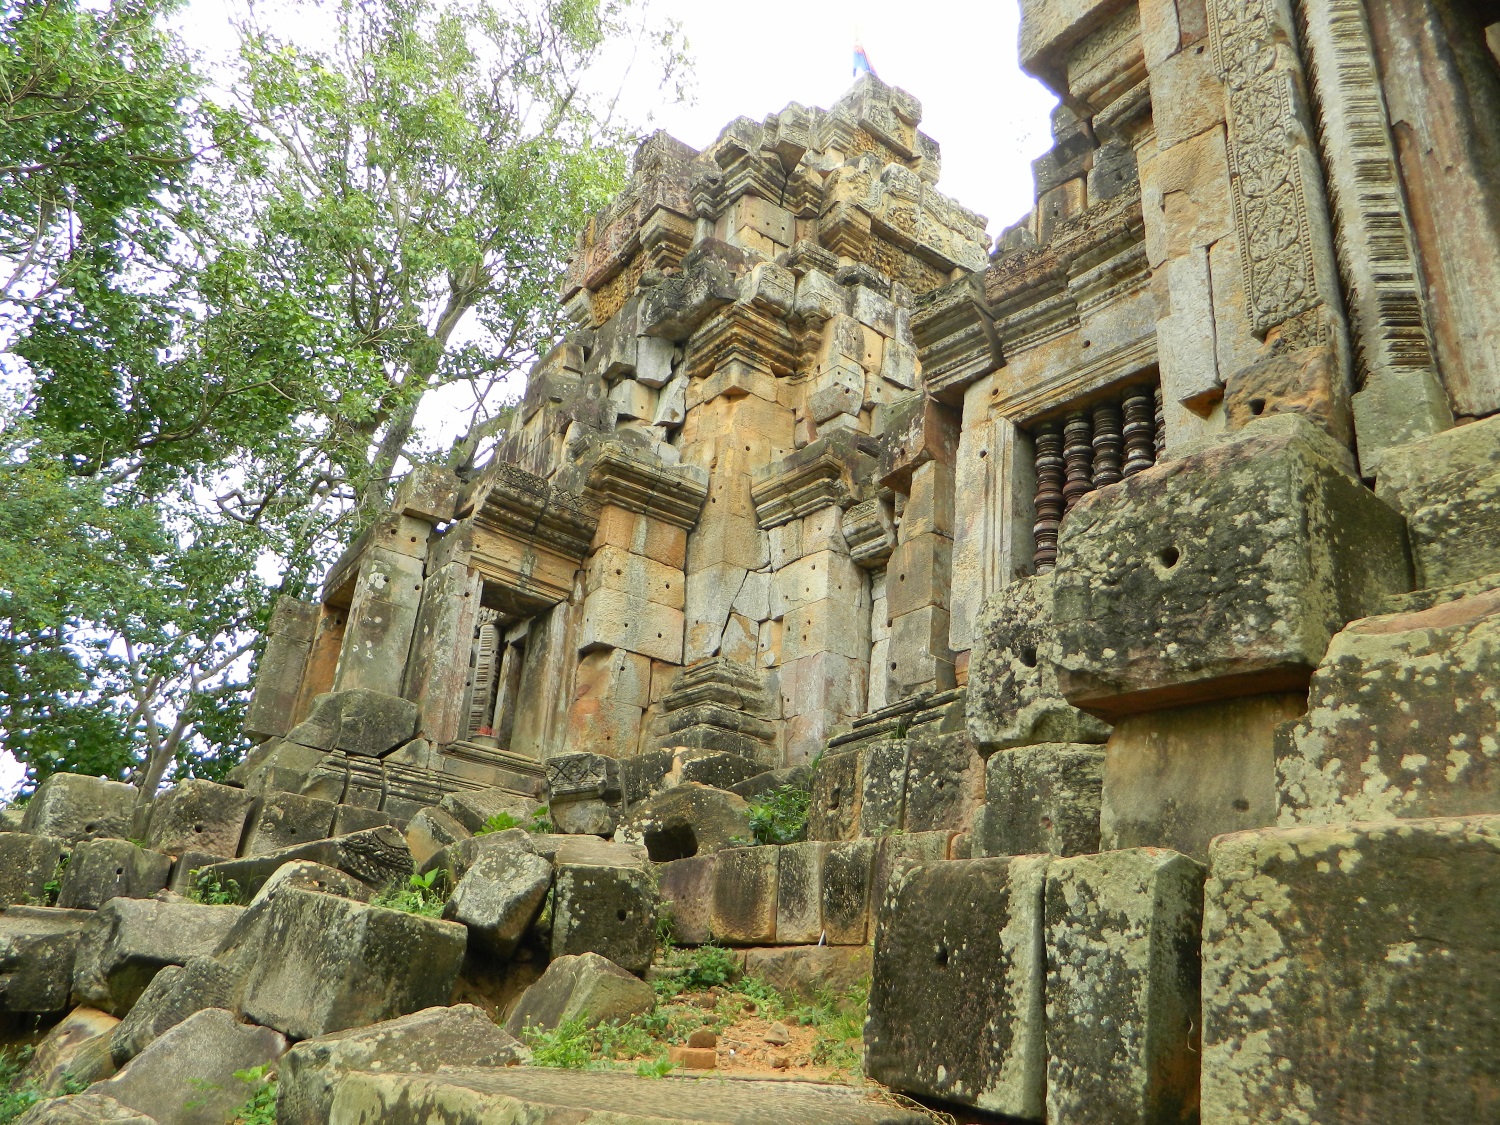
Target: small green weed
x,y
571,1045
781,818
260,1106
658,1068
211,890
502,821
423,895
839,1022
15,1100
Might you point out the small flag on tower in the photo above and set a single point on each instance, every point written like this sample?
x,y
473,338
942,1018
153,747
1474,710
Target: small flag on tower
x,y
861,61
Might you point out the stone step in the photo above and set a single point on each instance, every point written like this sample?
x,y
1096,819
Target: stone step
x,y
472,1097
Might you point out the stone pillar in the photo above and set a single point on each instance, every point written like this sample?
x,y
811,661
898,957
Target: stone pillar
x,y
278,677
440,650
383,612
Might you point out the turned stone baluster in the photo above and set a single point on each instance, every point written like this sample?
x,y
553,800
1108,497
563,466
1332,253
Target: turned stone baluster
x,y
1078,456
1140,431
1159,434
1109,443
1049,494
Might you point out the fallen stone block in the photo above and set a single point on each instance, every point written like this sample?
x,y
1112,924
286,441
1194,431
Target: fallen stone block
x,y
956,997
584,986
326,964
462,1035
499,897
27,864
1403,720
241,945
687,895
349,819
83,1109
719,769
376,857
475,809
38,954
1013,697
174,994
1221,573
606,910
1351,973
277,766
688,820
200,816
74,807
1448,488
284,820
1122,987
187,1077
129,940
744,902
357,721
1041,799
430,831
100,870
76,1051
478,1097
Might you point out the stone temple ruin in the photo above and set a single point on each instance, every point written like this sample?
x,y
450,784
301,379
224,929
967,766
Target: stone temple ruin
x,y
1126,596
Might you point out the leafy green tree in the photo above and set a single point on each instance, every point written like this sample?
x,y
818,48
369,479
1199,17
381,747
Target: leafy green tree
x,y
230,319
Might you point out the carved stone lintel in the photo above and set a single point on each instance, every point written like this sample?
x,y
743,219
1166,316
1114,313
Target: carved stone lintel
x,y
1049,494
826,472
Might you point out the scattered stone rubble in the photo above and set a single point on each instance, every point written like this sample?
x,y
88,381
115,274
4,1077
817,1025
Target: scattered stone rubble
x,y
1123,601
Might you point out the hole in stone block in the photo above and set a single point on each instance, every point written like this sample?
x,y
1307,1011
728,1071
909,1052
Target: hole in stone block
x,y
119,871
89,827
1241,804
1168,557
676,842
1027,656
1257,406
197,828
942,956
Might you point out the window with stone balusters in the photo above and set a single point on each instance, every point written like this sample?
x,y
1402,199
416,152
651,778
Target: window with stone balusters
x,y
495,656
1089,446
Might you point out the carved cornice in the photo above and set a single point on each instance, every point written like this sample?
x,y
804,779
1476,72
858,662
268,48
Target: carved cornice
x,y
826,472
956,339
636,481
870,533
742,332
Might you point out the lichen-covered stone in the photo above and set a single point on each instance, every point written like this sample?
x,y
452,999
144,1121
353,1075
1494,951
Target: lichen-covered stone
x,y
799,892
174,994
326,964
376,857
1448,488
102,869
73,807
1225,572
848,875
357,721
582,986
834,811
687,820
1122,988
1013,697
944,782
1351,973
1178,778
606,910
1403,720
38,952
957,991
83,1109
462,1035
476,808
1041,799
188,1076
284,820
499,897
129,940
744,903
430,831
200,816
27,864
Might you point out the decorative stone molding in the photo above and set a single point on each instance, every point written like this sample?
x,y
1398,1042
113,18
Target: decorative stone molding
x,y
956,339
636,481
829,471
870,533
743,333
